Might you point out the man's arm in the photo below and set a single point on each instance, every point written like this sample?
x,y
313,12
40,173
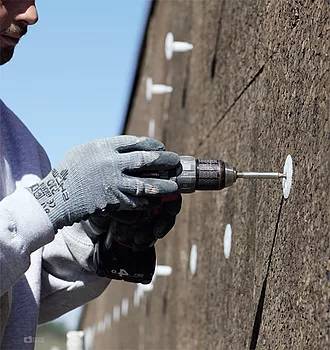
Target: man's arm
x,y
24,228
68,275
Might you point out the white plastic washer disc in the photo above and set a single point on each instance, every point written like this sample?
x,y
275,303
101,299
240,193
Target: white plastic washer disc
x,y
287,181
227,241
193,259
169,40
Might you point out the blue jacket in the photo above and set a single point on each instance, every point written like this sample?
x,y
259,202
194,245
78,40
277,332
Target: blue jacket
x,y
42,275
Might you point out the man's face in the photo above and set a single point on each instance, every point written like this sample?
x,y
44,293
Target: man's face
x,y
15,17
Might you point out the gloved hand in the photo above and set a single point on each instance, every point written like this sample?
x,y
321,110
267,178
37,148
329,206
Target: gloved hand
x,y
138,229
96,176
124,241
122,263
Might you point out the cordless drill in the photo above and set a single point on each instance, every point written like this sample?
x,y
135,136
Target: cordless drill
x,y
116,261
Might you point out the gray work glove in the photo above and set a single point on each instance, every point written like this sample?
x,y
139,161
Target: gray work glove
x,y
98,175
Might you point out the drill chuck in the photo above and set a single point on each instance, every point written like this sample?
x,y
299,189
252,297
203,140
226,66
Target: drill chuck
x,y
199,174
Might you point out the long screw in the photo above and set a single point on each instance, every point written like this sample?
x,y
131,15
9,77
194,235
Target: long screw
x,y
259,175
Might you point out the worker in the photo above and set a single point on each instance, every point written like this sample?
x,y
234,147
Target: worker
x,y
51,218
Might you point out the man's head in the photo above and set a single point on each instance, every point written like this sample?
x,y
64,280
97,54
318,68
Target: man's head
x,y
15,17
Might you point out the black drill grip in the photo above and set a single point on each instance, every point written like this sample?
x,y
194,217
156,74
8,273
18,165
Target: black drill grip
x,y
122,263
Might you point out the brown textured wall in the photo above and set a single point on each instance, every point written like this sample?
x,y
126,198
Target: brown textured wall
x,y
254,89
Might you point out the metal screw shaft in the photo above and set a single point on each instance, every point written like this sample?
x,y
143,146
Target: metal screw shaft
x,y
259,175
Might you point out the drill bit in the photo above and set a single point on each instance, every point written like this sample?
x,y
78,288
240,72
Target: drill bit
x,y
259,175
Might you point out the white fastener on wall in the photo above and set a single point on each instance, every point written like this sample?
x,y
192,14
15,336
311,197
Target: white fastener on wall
x,y
89,338
139,292
227,241
116,313
75,340
146,287
137,296
288,172
172,46
124,307
151,128
163,270
156,89
160,271
107,320
101,326
193,259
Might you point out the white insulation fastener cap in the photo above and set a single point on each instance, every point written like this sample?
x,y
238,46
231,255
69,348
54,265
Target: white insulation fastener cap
x,y
287,181
193,259
163,270
227,241
124,306
151,128
172,46
75,340
116,313
156,89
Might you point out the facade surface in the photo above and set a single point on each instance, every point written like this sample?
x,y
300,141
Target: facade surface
x,y
253,90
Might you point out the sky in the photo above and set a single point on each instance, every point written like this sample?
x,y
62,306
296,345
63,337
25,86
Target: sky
x,y
71,75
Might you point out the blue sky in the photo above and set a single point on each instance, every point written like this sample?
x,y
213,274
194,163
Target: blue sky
x,y
71,75
70,78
